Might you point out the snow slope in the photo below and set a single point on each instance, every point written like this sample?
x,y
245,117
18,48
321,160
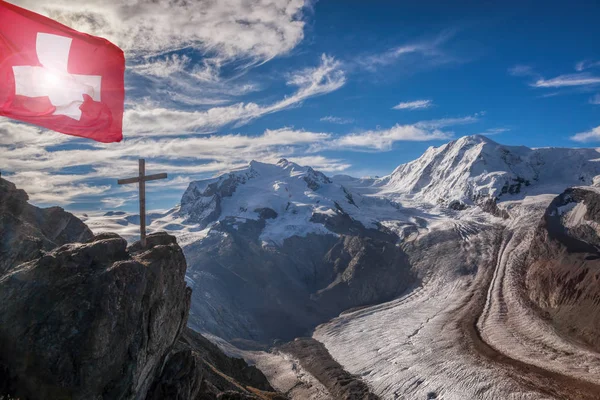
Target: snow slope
x,y
288,196
475,166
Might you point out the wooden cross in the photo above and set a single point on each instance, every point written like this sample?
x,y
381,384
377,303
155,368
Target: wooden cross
x,y
142,179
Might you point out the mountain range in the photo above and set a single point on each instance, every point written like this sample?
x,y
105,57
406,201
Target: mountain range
x,y
470,272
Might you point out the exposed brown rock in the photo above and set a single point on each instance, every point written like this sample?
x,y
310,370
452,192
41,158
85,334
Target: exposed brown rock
x,y
563,275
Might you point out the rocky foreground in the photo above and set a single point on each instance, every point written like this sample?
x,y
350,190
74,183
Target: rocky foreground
x,y
96,319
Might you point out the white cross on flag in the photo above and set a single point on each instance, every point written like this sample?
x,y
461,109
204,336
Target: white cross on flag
x,y
58,78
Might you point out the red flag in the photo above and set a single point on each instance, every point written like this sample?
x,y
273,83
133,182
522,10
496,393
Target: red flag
x,y
58,78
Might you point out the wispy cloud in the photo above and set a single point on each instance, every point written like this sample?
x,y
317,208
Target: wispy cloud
x,y
52,188
595,99
446,122
429,52
117,202
580,79
53,173
586,64
337,120
46,167
257,30
522,70
413,105
589,136
493,131
176,51
383,139
149,120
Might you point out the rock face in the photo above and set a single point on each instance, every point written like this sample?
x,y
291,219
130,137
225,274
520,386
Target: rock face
x,y
197,369
27,231
245,290
92,319
314,358
103,321
100,320
563,272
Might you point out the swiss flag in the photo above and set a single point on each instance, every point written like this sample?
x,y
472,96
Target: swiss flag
x,y
58,78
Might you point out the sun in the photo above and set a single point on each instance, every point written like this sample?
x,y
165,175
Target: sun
x,y
51,78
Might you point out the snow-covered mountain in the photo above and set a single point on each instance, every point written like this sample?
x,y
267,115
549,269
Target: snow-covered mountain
x,y
292,199
476,166
296,200
437,289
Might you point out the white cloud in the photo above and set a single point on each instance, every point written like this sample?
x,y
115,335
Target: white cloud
x,y
163,67
213,34
149,120
41,168
595,99
493,131
383,139
13,133
230,29
589,136
522,70
337,120
445,122
581,79
51,188
116,202
414,105
430,52
586,64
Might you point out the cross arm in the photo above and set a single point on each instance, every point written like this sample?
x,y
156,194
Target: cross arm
x,y
128,180
146,179
155,177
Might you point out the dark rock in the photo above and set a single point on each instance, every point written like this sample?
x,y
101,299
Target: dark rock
x,y
26,231
154,240
315,359
562,269
194,361
103,236
457,205
490,205
103,321
90,319
113,213
266,213
315,179
245,290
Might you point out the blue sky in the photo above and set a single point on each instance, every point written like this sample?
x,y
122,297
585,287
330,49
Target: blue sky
x,y
354,87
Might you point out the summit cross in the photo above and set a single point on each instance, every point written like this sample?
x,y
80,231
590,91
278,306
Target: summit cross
x,y
142,178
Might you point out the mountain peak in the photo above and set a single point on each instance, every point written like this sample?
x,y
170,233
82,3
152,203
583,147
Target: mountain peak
x,y
476,166
474,139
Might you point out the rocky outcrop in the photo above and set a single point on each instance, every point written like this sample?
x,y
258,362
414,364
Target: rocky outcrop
x,y
197,369
563,265
100,320
314,358
26,231
92,320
